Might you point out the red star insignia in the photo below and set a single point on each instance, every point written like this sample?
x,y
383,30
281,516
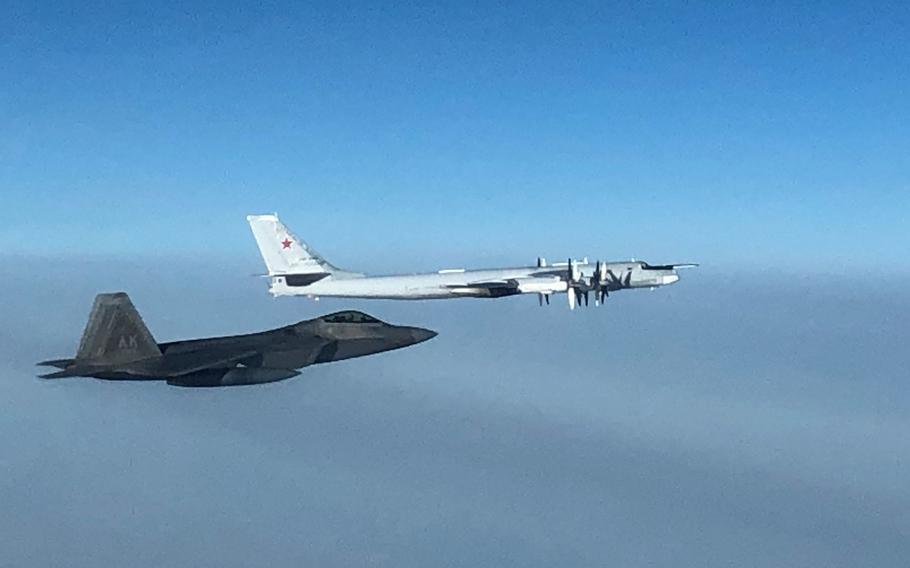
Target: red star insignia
x,y
286,243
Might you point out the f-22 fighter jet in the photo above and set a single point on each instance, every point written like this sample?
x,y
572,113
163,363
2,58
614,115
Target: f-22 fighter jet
x,y
116,345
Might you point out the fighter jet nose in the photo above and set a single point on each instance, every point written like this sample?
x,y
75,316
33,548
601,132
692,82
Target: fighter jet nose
x,y
420,334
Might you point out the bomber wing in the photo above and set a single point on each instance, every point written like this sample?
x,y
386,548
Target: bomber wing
x,y
484,284
543,285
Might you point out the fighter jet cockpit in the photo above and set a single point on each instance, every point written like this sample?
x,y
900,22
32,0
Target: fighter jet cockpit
x,y
350,316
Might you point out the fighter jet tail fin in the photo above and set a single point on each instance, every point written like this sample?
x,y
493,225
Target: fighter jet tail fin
x,y
115,333
282,251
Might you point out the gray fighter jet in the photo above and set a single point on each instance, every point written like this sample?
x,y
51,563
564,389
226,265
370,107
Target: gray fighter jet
x,y
116,345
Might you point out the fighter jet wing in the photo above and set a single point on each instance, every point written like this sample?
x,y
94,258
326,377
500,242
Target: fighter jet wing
x,y
192,361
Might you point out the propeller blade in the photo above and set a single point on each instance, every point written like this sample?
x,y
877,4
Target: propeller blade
x,y
573,272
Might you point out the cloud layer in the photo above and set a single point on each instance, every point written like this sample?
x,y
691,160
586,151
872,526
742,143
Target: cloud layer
x,y
730,420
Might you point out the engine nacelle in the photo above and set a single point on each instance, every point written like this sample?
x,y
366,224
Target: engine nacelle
x,y
541,287
233,377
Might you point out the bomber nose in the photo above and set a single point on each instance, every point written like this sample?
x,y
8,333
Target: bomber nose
x,y
419,334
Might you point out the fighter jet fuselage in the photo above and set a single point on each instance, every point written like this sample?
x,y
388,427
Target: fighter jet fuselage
x,y
116,345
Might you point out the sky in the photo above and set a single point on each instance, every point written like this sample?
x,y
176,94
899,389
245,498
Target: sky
x,y
691,132
753,414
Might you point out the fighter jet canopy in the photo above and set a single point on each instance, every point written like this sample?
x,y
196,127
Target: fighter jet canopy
x,y
349,316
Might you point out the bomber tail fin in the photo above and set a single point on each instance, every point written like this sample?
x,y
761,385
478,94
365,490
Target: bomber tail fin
x,y
282,251
115,333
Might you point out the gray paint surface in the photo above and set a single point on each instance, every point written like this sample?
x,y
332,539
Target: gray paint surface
x,y
116,345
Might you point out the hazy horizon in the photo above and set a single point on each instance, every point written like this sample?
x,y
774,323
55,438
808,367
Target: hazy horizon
x,y
718,421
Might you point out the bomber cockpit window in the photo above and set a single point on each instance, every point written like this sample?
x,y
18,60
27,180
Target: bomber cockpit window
x,y
350,317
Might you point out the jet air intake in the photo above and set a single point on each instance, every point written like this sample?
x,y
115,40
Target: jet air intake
x,y
233,377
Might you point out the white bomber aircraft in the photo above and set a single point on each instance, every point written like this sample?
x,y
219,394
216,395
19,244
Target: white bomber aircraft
x,y
295,269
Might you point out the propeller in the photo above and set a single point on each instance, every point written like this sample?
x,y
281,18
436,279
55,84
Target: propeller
x,y
598,283
573,291
612,281
542,297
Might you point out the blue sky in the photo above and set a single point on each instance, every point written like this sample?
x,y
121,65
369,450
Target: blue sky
x,y
464,131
